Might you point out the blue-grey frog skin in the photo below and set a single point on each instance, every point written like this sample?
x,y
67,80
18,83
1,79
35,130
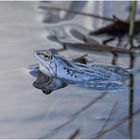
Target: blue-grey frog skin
x,y
73,72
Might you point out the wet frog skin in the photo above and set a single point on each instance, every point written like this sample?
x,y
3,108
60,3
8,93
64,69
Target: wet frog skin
x,y
52,63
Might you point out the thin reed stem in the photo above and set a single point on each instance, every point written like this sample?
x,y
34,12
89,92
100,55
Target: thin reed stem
x,y
132,23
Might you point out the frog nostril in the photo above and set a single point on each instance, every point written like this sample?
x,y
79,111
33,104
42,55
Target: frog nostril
x,y
38,53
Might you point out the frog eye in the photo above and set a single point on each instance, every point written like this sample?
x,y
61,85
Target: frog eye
x,y
48,56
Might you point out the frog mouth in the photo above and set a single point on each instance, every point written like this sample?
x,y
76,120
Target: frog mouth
x,y
44,69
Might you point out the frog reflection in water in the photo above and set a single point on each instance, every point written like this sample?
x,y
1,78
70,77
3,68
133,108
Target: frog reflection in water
x,y
97,76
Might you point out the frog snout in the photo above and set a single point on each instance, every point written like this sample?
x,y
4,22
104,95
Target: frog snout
x,y
37,53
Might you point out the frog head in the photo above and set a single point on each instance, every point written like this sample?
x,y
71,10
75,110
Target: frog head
x,y
48,61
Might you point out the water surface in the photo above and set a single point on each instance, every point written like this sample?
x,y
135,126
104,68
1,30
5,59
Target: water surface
x,y
27,113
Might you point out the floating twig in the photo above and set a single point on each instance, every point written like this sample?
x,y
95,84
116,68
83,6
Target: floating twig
x,y
102,47
76,12
118,29
75,134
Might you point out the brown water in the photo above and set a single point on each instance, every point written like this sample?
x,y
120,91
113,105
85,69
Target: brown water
x,y
69,112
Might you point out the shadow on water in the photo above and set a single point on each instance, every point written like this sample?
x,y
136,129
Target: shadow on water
x,y
131,97
74,115
131,92
131,113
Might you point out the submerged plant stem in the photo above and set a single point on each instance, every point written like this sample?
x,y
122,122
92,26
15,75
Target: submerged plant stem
x,y
132,23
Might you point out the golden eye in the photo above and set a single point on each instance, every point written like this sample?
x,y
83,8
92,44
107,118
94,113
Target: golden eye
x,y
48,56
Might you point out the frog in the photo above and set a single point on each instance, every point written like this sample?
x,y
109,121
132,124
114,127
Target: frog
x,y
53,64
